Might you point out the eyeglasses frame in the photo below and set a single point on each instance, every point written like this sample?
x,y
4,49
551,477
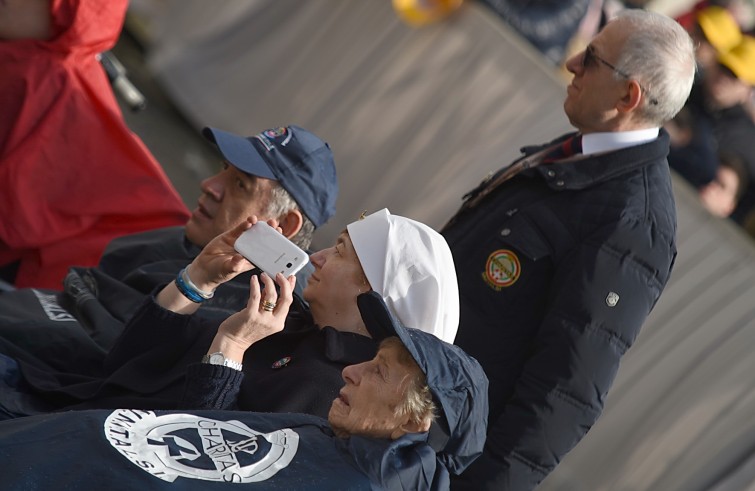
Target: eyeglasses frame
x,y
590,54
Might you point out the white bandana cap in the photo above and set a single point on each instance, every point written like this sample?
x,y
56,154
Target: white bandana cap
x,y
410,265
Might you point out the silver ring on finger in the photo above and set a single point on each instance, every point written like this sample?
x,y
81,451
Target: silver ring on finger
x,y
268,306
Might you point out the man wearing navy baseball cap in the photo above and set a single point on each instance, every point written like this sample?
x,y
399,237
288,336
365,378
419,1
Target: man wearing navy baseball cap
x,y
284,173
278,161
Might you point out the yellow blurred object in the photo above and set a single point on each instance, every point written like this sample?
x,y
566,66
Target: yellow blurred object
x,y
719,27
418,13
741,60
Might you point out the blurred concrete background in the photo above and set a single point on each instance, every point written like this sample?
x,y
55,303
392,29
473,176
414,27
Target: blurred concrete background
x,y
186,157
171,136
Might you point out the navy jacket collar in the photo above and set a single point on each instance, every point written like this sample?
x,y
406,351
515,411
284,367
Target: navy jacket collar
x,y
584,171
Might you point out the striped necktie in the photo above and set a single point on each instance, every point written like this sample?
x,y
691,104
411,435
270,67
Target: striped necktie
x,y
567,148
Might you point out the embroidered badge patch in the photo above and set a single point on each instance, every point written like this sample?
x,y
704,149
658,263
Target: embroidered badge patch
x,y
275,132
267,137
502,269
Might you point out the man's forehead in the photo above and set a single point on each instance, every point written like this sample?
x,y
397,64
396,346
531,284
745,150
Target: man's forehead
x,y
609,42
614,32
239,171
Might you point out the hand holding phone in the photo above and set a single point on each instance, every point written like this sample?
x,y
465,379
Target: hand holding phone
x,y
270,250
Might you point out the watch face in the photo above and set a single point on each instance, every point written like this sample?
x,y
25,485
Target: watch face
x,y
217,359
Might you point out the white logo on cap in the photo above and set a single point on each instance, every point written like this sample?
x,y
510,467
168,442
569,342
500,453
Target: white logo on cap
x,y
265,142
193,447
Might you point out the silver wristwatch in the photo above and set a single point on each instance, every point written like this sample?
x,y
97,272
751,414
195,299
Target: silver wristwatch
x,y
220,359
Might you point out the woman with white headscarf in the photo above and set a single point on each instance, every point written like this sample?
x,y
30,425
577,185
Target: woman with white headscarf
x,y
278,354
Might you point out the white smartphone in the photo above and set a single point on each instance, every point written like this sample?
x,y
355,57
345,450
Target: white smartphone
x,y
270,250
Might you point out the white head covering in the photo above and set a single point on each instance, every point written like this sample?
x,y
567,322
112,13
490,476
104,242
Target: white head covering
x,y
411,267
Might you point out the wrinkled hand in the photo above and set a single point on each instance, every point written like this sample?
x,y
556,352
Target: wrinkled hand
x,y
265,314
219,262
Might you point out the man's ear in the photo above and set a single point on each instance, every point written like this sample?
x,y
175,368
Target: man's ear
x,y
291,223
631,99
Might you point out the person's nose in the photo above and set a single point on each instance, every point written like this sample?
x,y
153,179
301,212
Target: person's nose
x,y
213,187
574,64
352,373
318,258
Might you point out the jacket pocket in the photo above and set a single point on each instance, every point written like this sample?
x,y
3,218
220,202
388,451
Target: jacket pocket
x,y
512,270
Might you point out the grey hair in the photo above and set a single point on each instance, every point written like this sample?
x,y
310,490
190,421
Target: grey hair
x,y
279,204
418,401
660,54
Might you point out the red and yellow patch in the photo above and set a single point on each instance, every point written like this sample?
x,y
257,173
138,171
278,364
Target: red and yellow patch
x,y
502,269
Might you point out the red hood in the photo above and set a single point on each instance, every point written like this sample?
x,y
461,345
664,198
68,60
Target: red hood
x,y
72,175
88,26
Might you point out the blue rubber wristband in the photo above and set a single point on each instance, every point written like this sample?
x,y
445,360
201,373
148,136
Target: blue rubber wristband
x,y
184,274
187,291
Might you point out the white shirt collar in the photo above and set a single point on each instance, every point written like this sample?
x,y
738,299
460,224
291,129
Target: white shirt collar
x,y
607,142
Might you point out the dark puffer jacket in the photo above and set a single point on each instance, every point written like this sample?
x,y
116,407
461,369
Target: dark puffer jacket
x,y
558,270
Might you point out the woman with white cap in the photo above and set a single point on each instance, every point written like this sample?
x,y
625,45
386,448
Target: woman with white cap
x,y
265,358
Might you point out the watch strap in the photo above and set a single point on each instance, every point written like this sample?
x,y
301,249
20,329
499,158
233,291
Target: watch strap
x,y
220,359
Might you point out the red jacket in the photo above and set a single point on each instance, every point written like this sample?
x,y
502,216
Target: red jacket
x,y
72,175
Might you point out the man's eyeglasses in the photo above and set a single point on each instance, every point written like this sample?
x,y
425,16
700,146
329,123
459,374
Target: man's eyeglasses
x,y
590,58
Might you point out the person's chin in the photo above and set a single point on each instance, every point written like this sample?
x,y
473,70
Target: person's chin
x,y
567,103
336,417
196,232
191,226
569,113
310,288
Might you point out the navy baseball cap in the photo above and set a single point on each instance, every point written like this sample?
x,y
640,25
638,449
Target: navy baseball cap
x,y
298,159
457,382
